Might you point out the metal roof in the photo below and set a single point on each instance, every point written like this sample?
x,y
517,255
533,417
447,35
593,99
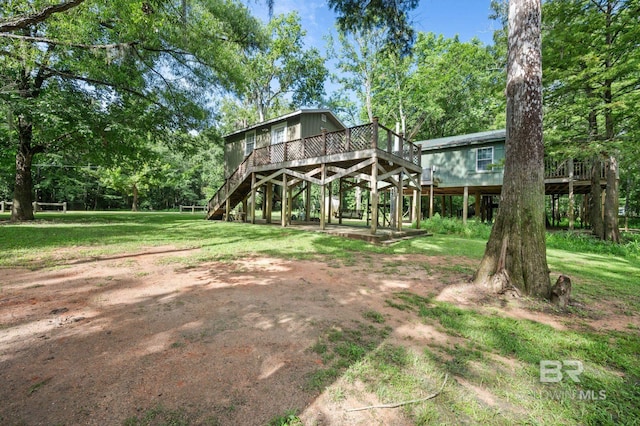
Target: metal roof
x,y
463,140
286,117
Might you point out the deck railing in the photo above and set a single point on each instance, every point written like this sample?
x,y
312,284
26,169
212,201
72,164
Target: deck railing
x,y
562,169
367,136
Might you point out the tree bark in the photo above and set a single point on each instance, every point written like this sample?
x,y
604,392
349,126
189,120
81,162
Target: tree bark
x,y
611,202
595,202
516,252
134,204
22,208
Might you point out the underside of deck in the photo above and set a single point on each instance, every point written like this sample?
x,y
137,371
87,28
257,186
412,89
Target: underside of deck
x,y
370,157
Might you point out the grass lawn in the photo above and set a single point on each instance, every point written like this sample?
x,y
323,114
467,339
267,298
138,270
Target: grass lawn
x,y
491,353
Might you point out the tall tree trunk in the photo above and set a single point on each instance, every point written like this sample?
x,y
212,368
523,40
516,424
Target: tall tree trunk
x,y
595,206
516,251
134,204
611,202
22,208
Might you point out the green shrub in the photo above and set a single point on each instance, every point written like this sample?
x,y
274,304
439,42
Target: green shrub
x,y
454,226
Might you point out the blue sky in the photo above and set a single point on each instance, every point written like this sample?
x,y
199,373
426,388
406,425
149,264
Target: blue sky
x,y
467,18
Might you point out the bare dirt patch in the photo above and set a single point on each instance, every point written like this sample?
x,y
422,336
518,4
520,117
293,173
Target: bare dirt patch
x,y
104,340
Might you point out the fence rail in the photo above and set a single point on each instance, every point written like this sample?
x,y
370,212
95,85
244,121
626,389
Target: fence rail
x,y
37,206
193,208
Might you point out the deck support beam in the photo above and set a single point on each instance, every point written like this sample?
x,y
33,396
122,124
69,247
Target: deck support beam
x,y
283,201
571,212
465,205
374,197
323,190
398,212
269,203
253,198
307,202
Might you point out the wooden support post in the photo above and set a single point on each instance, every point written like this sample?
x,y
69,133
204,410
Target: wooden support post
x,y
283,201
227,208
417,205
398,212
465,205
330,205
340,198
571,212
269,203
477,206
253,198
64,207
451,212
290,206
323,190
374,196
444,205
307,203
245,210
430,201
264,202
374,135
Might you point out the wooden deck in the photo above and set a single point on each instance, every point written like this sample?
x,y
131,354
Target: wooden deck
x,y
370,156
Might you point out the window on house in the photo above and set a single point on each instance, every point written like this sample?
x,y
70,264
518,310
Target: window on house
x,y
278,133
249,142
484,158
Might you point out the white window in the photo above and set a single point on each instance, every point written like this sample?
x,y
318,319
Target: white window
x,y
249,142
278,133
484,158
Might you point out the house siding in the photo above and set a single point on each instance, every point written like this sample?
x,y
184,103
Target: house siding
x,y
299,126
456,167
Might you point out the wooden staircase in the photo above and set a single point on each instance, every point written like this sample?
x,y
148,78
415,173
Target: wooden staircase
x,y
344,152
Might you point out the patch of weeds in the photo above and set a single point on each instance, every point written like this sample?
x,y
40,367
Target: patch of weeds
x,y
176,345
337,394
374,316
320,378
399,306
36,386
320,348
160,416
341,348
289,418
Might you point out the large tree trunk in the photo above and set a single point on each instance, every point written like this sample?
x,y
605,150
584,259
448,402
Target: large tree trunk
x,y
22,208
516,252
595,206
134,204
611,202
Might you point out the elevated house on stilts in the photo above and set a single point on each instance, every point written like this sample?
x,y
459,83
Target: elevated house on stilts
x,y
312,147
280,160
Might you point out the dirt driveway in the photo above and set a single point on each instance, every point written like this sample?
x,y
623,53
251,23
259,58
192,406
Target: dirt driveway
x,y
110,340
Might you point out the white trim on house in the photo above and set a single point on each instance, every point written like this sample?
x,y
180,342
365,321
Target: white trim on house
x,y
327,112
279,133
249,142
483,161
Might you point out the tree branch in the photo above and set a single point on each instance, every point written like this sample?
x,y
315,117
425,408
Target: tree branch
x,y
400,404
68,44
70,76
35,18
